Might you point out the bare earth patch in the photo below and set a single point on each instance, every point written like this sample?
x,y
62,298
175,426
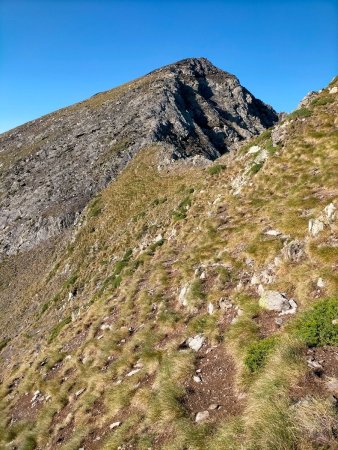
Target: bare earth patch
x,y
216,390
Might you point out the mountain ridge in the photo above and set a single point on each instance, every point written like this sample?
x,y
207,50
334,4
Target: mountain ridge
x,y
51,167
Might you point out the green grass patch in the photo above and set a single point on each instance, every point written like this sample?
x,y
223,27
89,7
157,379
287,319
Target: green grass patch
x,y
300,113
258,352
322,101
215,169
316,327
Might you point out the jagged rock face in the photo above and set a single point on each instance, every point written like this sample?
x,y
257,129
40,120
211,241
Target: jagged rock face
x,y
51,167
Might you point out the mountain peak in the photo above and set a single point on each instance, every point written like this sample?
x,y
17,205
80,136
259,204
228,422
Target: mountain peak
x,y
190,108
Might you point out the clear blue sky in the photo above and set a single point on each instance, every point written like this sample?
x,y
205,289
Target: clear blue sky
x,y
56,52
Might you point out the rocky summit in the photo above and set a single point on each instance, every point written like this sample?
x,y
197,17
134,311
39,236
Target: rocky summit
x,y
168,274
51,167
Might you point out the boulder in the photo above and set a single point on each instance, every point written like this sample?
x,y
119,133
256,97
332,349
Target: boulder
x,y
315,227
274,301
196,342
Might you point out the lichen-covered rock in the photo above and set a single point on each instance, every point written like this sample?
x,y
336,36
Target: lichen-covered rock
x,y
294,251
274,301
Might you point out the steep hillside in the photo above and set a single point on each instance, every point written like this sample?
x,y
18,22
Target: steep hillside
x,y
193,307
50,168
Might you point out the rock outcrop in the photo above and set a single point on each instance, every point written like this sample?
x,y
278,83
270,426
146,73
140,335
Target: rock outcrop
x,y
51,167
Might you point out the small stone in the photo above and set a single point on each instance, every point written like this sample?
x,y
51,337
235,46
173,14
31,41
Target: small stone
x,y
182,298
79,392
158,238
201,416
279,321
213,406
197,379
114,425
335,322
313,364
132,372
203,276
273,233
210,308
106,326
320,283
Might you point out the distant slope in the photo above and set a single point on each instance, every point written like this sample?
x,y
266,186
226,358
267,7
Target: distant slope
x,y
98,351
51,167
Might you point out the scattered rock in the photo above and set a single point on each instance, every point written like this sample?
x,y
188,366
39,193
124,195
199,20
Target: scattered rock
x,y
315,227
79,392
330,212
313,364
225,304
273,233
320,283
196,342
197,379
210,308
213,406
114,425
133,372
106,326
182,298
202,416
294,251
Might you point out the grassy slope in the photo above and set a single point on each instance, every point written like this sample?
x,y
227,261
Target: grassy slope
x,y
122,275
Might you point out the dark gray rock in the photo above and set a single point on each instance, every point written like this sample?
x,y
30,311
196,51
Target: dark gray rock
x,y
51,167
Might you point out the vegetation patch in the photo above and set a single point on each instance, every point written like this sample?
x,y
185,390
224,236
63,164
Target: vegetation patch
x,y
318,326
215,169
300,113
258,352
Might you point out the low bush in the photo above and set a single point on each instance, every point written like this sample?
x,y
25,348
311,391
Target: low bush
x,y
215,169
258,352
299,113
317,327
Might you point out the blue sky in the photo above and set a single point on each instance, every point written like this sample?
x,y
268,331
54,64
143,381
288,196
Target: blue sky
x,y
56,52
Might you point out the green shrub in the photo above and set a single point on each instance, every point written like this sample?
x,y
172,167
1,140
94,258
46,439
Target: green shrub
x,y
315,327
258,352
299,113
321,101
215,169
181,212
